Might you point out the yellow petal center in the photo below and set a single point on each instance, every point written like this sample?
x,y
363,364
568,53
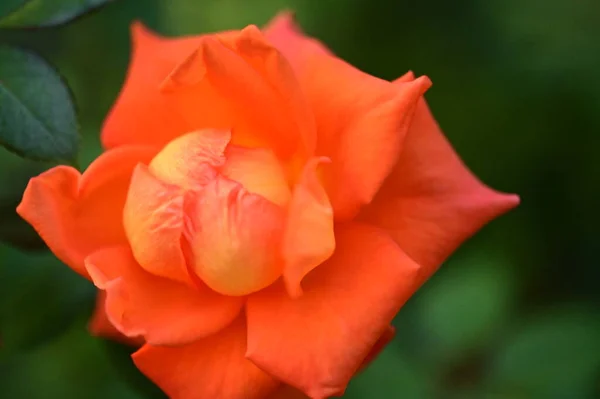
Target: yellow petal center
x,y
234,209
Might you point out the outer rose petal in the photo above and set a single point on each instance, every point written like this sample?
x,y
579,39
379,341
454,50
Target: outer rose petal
x,y
431,202
240,82
379,346
142,114
101,326
278,72
308,239
164,312
288,392
317,342
78,214
213,367
361,119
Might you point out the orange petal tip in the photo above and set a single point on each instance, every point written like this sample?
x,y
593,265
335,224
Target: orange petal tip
x,y
140,32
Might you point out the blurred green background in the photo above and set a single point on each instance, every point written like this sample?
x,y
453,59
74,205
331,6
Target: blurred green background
x,y
515,313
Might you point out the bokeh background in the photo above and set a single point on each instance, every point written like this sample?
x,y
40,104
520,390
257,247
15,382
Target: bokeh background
x,y
515,313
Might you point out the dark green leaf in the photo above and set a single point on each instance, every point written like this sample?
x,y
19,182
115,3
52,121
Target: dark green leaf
x,y
43,13
37,115
9,6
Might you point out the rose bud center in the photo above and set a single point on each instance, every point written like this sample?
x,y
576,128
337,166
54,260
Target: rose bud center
x,y
226,204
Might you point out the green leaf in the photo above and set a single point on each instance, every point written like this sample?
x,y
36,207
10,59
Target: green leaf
x,y
553,356
44,13
9,6
37,115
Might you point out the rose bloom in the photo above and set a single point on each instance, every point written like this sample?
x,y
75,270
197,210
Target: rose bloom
x,y
261,213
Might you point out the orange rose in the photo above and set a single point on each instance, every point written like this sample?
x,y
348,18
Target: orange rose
x,y
262,212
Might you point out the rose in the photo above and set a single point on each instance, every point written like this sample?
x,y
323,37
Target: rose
x,y
100,325
262,211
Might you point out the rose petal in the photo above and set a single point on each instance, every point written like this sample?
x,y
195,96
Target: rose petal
x,y
153,220
100,325
379,346
259,171
234,236
317,342
192,160
431,202
162,311
289,392
213,367
78,214
141,113
240,82
308,239
361,119
255,49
